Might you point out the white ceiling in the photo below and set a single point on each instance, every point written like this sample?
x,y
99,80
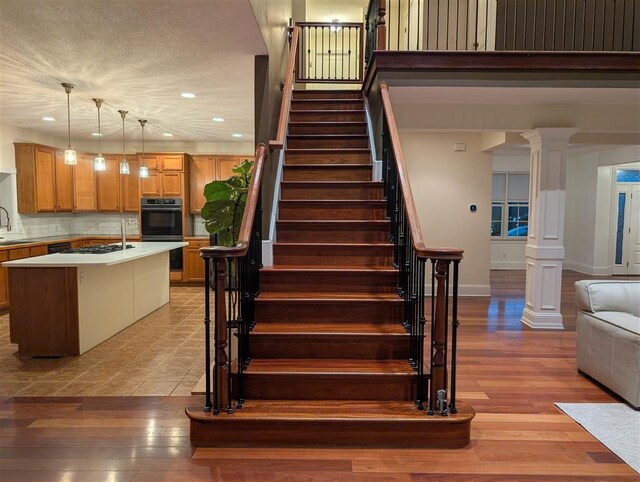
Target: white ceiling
x,y
138,55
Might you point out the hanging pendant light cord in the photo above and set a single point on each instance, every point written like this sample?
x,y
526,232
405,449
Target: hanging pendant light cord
x,y
68,119
99,132
123,153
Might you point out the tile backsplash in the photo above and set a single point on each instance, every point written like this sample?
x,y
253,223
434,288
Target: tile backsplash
x,y
198,226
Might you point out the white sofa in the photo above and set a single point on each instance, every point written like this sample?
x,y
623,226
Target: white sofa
x,y
608,335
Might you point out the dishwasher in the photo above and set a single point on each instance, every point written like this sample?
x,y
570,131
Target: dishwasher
x,y
58,247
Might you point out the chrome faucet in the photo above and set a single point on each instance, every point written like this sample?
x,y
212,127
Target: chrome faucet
x,y
123,231
8,225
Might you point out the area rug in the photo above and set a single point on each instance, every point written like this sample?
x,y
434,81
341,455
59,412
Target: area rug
x,y
616,425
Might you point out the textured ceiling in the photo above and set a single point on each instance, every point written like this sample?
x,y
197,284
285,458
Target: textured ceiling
x,y
138,55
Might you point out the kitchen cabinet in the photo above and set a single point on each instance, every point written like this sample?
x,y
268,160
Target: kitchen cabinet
x,y
172,184
4,296
193,264
201,173
203,170
108,186
19,253
35,175
172,163
84,184
130,188
151,186
63,184
38,251
152,161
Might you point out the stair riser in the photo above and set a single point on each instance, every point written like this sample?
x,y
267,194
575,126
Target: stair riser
x,y
333,255
326,94
333,234
328,143
365,213
332,173
374,347
295,158
332,282
327,129
307,192
308,386
319,116
346,104
336,311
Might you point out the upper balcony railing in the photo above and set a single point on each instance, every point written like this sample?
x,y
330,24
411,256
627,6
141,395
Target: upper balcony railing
x,y
511,25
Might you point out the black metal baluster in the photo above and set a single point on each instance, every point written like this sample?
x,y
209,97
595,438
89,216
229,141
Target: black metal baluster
x,y
535,21
438,24
242,274
584,22
454,337
575,24
342,53
515,24
613,27
418,26
207,339
315,52
486,23
408,25
555,25
544,26
430,411
446,328
593,28
446,44
398,26
564,25
216,394
524,26
457,22
475,38
624,23
604,22
322,54
504,32
466,23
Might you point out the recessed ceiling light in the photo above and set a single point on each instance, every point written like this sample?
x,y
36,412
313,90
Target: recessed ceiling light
x,y
97,134
167,134
217,119
49,119
236,135
188,95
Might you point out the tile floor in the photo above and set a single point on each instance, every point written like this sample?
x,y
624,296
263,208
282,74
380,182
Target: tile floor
x,y
162,354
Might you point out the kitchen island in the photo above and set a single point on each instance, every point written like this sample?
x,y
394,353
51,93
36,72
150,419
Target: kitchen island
x,y
65,304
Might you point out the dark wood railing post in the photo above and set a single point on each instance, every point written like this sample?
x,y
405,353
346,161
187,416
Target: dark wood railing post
x,y
381,26
439,337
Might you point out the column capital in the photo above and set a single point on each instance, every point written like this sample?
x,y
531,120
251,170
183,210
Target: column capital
x,y
553,134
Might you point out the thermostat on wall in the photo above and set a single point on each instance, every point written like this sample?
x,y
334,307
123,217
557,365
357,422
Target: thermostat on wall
x,y
473,208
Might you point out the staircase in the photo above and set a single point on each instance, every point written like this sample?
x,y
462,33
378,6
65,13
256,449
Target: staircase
x,y
329,355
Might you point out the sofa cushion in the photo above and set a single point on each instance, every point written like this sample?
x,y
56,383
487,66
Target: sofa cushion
x,y
624,321
610,295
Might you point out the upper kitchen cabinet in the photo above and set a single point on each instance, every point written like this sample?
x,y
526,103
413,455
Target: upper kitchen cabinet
x,y
108,186
225,164
151,186
152,161
172,163
166,175
202,172
130,188
84,184
63,184
36,174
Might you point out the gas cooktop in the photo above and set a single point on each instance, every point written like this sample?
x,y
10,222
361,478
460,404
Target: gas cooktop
x,y
97,249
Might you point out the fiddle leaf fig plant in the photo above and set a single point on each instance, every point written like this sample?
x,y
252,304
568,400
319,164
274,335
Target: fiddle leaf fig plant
x,y
222,213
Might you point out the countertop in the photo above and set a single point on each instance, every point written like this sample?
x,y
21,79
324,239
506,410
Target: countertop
x,y
28,243
61,260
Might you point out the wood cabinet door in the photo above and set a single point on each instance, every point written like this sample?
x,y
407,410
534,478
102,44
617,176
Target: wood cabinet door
x,y
152,161
152,185
45,179
172,163
38,251
4,286
64,184
108,186
130,188
84,184
193,264
172,184
201,173
224,164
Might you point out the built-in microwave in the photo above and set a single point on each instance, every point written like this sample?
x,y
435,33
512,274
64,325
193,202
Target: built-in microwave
x,y
161,219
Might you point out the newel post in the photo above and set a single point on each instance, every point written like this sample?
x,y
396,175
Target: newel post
x,y
439,336
381,26
221,363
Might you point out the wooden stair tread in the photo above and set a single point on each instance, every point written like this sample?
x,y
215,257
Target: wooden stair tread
x,y
337,245
321,202
329,366
335,221
301,328
328,269
325,123
327,297
322,150
324,136
334,410
333,183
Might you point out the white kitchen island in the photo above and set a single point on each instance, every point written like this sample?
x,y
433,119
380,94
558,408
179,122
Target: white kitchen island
x,y
65,304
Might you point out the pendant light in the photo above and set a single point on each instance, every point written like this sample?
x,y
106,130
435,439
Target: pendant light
x,y
99,164
124,164
144,171
70,157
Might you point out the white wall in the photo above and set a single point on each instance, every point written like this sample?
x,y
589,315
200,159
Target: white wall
x,y
444,184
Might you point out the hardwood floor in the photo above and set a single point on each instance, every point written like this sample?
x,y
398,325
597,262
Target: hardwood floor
x,y
510,374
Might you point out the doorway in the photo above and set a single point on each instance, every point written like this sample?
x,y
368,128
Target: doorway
x,y
626,242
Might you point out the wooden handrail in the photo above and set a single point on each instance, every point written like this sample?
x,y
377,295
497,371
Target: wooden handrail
x,y
285,105
244,237
412,216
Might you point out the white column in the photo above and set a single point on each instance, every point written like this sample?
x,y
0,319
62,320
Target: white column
x,y
545,248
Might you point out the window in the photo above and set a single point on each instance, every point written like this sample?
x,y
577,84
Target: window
x,y
510,205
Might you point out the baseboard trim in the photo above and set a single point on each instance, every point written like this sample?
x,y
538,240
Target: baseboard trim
x,y
587,269
508,265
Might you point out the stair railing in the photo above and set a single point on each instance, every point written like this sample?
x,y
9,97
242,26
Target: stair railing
x,y
235,278
287,89
411,256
